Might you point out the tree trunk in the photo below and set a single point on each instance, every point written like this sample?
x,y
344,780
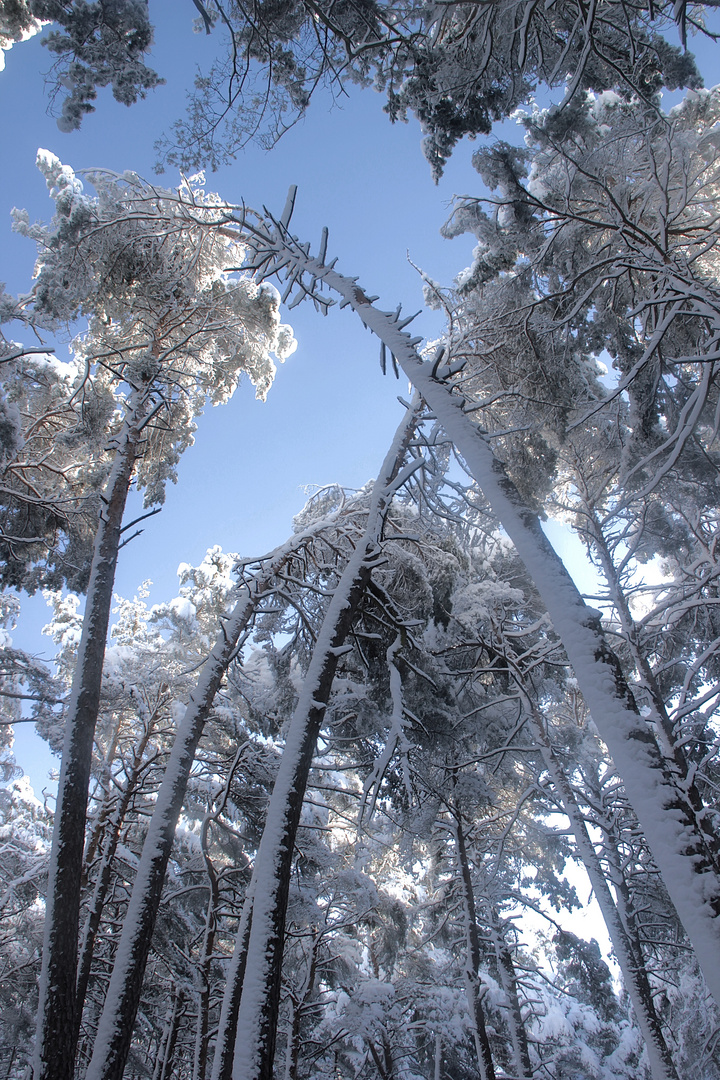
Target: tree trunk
x,y
115,1028
57,1021
166,1050
297,1002
104,876
227,1028
669,745
202,1030
679,847
260,1000
383,1062
627,950
508,981
472,960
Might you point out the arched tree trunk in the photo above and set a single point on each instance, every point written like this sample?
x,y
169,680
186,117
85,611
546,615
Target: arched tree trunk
x,y
679,847
675,754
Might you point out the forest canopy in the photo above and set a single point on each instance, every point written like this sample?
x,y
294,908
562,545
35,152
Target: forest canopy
x,y
335,811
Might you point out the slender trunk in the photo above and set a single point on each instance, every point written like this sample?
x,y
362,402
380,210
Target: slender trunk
x,y
104,877
166,1051
95,834
679,848
56,1022
292,1052
227,1028
383,1062
116,1024
509,983
625,947
297,1002
259,1004
472,960
13,1053
437,1072
202,1030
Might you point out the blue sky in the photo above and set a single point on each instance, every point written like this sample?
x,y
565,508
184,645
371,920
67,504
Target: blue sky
x,y
331,413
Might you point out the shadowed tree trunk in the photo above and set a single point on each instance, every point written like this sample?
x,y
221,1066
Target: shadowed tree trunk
x,y
104,874
227,1028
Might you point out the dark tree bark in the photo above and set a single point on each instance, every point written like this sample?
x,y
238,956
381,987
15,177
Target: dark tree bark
x,y
104,874
227,1028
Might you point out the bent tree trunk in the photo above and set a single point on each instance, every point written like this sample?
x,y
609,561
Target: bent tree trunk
x,y
115,1029
260,1000
679,847
57,1024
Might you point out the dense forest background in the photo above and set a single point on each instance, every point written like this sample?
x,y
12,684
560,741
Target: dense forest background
x,y
335,810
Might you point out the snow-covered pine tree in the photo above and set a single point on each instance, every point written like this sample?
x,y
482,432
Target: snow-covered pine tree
x,y
167,330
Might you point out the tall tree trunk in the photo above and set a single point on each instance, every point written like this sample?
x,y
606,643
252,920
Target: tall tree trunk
x,y
97,828
227,1027
260,1000
202,1030
626,946
202,1027
104,875
679,847
473,955
166,1050
508,981
57,1021
298,1000
115,1029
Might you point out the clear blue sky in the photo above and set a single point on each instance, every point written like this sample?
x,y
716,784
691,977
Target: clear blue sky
x,y
331,414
